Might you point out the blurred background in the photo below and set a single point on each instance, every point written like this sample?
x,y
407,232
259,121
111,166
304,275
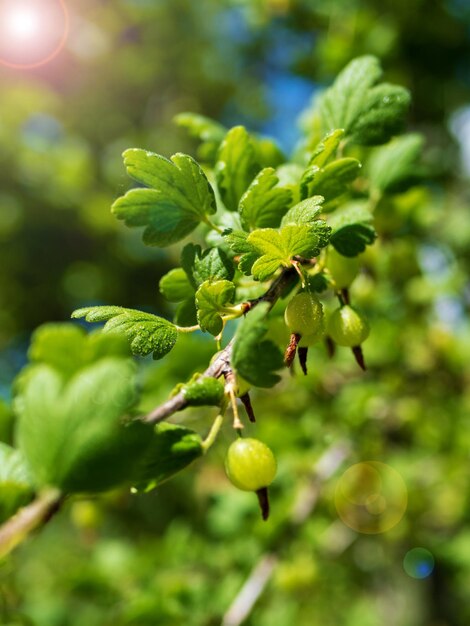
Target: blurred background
x,y
182,554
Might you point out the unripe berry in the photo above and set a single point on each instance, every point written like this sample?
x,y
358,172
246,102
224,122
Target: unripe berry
x,y
304,315
250,465
343,270
348,327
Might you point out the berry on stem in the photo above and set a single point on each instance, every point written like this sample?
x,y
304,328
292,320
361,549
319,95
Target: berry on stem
x,y
250,466
347,327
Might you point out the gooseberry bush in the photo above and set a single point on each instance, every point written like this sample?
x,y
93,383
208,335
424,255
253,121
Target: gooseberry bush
x,y
275,243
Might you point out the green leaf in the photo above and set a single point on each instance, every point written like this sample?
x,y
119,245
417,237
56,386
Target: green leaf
x,y
209,132
145,332
236,166
394,163
384,115
305,212
67,347
352,229
267,152
186,314
330,182
171,449
181,196
263,204
238,242
71,431
175,286
204,392
201,127
212,264
327,148
211,302
253,358
277,247
15,482
369,115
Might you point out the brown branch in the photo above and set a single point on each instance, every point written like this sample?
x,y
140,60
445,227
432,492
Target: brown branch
x,y
30,517
221,364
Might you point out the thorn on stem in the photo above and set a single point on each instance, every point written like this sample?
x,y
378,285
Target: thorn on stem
x,y
330,346
359,356
303,353
291,349
263,499
248,406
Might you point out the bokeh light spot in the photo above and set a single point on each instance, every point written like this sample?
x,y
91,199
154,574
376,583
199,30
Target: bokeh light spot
x,y
418,563
32,32
371,497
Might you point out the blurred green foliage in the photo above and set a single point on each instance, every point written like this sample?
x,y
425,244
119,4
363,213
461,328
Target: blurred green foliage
x,y
182,553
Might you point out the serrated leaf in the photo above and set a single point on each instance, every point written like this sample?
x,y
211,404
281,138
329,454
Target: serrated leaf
x,y
145,332
67,347
236,166
181,196
16,488
331,181
305,212
204,392
212,264
172,448
369,115
253,358
238,242
390,165
326,148
175,286
264,203
278,247
352,230
71,431
212,299
383,116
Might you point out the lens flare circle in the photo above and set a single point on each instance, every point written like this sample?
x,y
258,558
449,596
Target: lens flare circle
x,y
418,563
371,497
24,23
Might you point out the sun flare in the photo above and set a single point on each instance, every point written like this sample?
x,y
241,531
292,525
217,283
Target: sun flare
x,y
32,32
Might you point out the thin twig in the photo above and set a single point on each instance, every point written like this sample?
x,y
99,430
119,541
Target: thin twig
x,y
221,364
35,514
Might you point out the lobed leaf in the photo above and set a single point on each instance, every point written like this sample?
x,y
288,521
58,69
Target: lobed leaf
x,y
304,212
171,449
71,431
212,299
331,181
145,332
181,196
278,247
353,229
212,264
369,114
264,203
